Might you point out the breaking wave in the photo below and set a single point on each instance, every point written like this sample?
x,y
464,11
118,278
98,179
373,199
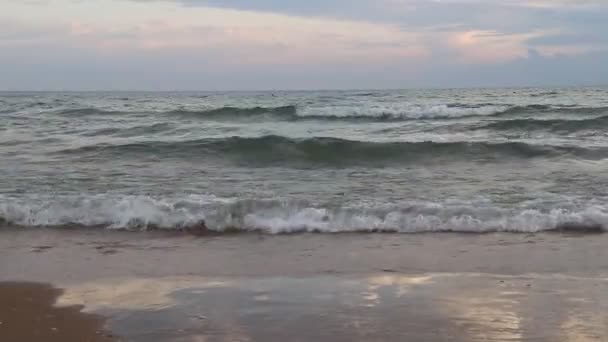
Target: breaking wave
x,y
278,217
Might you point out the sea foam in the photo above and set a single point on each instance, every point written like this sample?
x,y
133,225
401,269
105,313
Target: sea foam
x,y
279,217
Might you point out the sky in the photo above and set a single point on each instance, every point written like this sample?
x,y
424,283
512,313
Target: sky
x,y
304,44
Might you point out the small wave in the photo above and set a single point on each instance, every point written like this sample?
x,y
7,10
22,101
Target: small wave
x,y
278,217
350,113
284,112
290,113
543,94
534,108
555,125
274,149
538,108
452,111
396,112
380,112
130,131
376,112
87,111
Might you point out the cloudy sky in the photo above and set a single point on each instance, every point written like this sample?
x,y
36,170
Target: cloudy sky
x,y
303,44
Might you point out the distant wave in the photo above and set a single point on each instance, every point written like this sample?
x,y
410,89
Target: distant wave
x,y
397,112
544,94
222,113
555,125
130,131
537,108
273,149
276,217
88,111
360,112
285,112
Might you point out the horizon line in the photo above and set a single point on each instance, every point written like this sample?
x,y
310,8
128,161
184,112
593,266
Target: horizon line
x,y
294,89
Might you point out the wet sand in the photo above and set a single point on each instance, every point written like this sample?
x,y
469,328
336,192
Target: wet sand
x,y
27,313
351,287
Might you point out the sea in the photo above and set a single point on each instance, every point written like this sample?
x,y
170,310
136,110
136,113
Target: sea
x,y
521,160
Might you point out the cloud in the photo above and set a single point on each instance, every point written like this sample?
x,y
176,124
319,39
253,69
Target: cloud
x,y
520,3
275,44
264,38
566,4
565,50
495,47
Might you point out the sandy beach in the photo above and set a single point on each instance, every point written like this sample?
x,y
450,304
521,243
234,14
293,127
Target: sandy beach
x,y
347,287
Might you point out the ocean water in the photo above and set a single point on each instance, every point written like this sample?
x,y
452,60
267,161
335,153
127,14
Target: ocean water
x,y
478,160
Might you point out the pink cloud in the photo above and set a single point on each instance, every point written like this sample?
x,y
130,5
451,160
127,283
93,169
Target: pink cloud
x,y
490,46
263,38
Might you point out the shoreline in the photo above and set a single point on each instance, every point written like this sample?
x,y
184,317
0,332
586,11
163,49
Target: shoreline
x,y
48,255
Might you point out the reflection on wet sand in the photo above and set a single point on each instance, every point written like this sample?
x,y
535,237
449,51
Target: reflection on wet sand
x,y
429,307
534,308
401,283
486,318
586,324
133,294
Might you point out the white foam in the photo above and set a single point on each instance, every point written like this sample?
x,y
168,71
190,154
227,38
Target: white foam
x,y
140,212
396,110
529,221
106,210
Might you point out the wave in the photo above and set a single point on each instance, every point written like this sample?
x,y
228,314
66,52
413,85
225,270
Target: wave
x,y
377,112
282,150
278,217
555,125
222,113
543,94
285,112
539,109
380,113
87,111
397,112
384,112
130,131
